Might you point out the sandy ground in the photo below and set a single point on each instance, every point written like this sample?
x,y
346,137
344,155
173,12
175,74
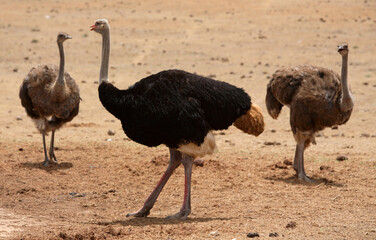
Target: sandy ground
x,y
248,185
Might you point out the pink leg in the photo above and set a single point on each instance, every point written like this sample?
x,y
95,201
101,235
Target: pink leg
x,y
175,160
185,210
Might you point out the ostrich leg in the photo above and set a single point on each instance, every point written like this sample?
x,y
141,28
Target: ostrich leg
x,y
52,150
46,160
185,210
299,160
175,160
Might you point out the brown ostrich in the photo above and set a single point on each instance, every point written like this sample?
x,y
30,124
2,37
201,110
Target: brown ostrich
x,y
50,97
317,97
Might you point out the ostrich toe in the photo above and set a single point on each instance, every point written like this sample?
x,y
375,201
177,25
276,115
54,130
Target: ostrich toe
x,y
141,213
52,156
179,215
305,178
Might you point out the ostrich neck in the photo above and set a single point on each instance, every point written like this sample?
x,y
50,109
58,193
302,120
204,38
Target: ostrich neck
x,y
60,77
103,75
347,100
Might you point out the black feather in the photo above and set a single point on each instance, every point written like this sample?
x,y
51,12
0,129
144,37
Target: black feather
x,y
174,107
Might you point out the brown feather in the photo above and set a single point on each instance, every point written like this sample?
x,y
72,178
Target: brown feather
x,y
313,94
42,99
252,122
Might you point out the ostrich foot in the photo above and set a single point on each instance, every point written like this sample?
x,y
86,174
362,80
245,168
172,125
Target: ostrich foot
x,y
141,213
53,157
179,215
46,161
305,178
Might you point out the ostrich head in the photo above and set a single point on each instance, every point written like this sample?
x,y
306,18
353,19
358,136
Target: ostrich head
x,y
343,49
100,26
61,37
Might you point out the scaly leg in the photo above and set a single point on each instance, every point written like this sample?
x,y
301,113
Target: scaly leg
x,y
46,160
185,210
295,165
52,150
299,158
175,160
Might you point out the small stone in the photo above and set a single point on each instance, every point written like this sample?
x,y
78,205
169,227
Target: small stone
x,y
252,235
365,135
20,149
15,69
109,139
287,162
273,234
19,118
291,224
63,235
199,162
335,127
214,233
280,165
326,168
272,143
342,158
75,194
111,132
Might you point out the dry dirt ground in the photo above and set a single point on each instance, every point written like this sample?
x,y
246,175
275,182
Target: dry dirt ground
x,y
248,185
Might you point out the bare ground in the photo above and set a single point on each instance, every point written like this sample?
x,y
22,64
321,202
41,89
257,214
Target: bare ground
x,y
248,186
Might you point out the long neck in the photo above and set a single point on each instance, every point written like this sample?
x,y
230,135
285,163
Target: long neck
x,y
103,75
347,101
60,77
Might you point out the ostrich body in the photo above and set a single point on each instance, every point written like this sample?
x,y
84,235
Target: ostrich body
x,y
50,97
177,109
317,97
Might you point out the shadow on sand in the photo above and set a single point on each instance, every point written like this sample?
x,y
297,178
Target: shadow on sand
x,y
132,221
295,181
50,168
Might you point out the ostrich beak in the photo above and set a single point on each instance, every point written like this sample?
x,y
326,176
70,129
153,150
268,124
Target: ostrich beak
x,y
92,27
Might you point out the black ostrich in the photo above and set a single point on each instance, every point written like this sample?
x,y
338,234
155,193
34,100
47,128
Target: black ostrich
x,y
50,97
178,109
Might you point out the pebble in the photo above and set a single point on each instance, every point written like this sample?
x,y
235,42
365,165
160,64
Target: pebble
x,y
365,135
198,162
252,235
214,233
287,162
74,194
291,224
19,118
111,132
342,158
272,143
273,234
